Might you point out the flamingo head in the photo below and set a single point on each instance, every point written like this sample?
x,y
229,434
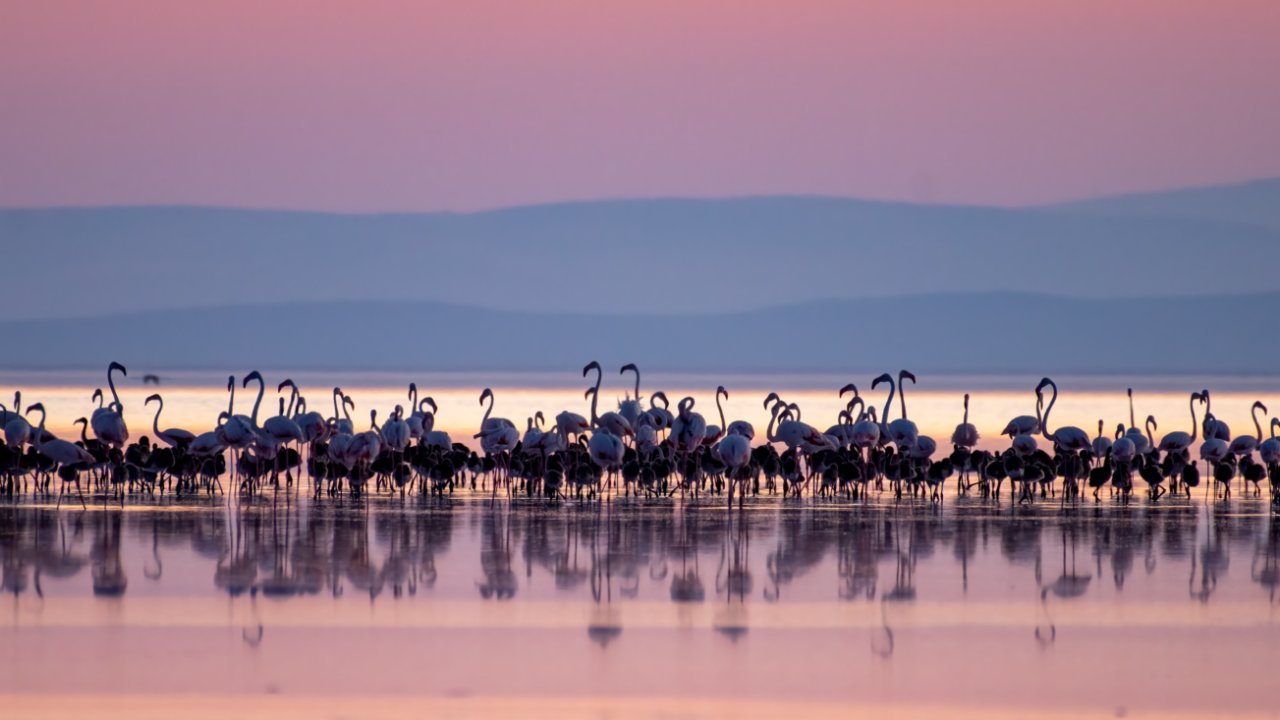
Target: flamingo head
x,y
255,375
882,378
771,398
117,366
593,365
906,375
153,396
485,395
850,388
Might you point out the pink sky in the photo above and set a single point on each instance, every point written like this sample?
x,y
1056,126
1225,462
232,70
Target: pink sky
x,y
463,105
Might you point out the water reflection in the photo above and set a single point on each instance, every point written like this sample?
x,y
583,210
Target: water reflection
x,y
611,554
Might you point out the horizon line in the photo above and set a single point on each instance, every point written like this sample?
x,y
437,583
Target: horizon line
x,y
636,199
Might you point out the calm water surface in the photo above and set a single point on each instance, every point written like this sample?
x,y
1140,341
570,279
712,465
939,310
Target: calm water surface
x,y
285,605
973,606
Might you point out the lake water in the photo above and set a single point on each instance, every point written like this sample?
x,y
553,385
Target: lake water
x,y
284,605
640,607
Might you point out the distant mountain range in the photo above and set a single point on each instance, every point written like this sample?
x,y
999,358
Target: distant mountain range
x,y
1176,281
639,256
1253,203
952,333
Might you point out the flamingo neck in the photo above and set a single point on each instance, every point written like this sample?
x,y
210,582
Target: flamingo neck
x,y
1044,422
1194,425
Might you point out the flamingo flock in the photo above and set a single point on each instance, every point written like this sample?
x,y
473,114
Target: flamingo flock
x,y
636,450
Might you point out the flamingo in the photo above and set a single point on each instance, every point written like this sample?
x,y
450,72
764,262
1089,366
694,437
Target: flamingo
x,y
17,431
532,440
923,448
1023,424
395,432
6,414
173,437
735,452
1101,444
1024,444
208,444
61,452
496,435
571,423
1246,444
659,418
737,427
437,439
689,427
1214,450
866,431
1213,427
108,424
1141,441
1178,441
339,448
550,441
630,408
1123,451
1269,449
902,432
237,431
420,421
364,447
966,433
282,428
605,448
313,425
792,432
614,422
343,422
1067,437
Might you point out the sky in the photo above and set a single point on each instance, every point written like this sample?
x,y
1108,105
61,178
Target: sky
x,y
421,105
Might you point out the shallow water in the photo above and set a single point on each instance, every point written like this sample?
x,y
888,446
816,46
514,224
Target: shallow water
x,y
290,605
641,607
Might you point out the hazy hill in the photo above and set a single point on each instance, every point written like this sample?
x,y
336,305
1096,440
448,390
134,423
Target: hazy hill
x,y
971,333
643,256
1252,203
